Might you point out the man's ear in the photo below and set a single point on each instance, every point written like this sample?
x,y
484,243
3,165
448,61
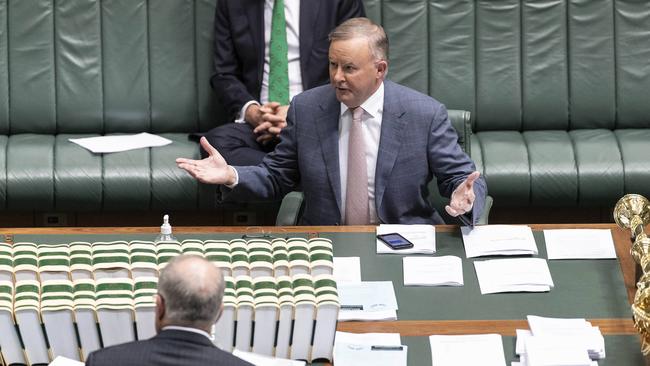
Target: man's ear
x,y
382,69
160,306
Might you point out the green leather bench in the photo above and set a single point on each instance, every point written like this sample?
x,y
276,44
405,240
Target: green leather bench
x,y
76,68
557,90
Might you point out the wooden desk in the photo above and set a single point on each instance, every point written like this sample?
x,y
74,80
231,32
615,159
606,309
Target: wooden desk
x,y
615,326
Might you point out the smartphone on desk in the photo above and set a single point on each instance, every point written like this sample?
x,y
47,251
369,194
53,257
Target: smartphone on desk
x,y
395,241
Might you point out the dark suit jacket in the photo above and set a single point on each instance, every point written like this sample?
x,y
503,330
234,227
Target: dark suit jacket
x,y
239,46
169,347
417,144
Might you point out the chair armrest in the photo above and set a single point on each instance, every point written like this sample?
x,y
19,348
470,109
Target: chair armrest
x,y
461,121
290,209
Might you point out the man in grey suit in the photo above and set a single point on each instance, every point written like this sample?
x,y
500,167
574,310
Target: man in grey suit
x,y
363,149
190,290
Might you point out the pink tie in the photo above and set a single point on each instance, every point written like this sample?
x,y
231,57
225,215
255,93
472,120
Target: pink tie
x,y
356,197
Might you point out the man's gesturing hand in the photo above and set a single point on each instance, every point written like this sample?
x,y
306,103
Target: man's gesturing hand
x,y
212,170
462,200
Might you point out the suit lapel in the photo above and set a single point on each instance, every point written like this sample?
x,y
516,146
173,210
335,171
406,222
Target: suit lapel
x,y
327,124
392,127
254,10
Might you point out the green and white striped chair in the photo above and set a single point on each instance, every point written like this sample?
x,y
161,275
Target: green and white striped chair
x,y
285,320
239,258
25,261
81,259
111,259
327,305
114,304
304,296
321,256
224,329
280,257
166,250
26,311
260,257
143,258
10,346
193,246
245,312
218,252
6,263
266,314
144,289
57,312
84,308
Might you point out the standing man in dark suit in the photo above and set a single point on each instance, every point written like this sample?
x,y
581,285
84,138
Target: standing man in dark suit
x,y
363,149
262,58
188,303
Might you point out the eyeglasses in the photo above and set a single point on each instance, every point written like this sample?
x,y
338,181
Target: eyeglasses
x,y
258,232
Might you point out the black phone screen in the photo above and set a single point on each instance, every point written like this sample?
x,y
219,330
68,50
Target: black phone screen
x,y
395,241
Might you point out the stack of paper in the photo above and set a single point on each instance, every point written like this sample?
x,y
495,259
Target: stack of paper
x,y
553,341
347,269
579,244
375,349
479,349
423,238
261,360
370,300
433,271
513,275
498,240
117,143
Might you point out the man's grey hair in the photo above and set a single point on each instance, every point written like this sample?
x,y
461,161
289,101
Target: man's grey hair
x,y
363,27
192,291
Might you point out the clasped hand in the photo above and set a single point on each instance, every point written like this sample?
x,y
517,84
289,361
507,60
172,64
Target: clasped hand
x,y
268,119
462,200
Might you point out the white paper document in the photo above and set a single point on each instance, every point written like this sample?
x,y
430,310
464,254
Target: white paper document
x,y
579,244
347,269
64,361
117,143
370,300
479,349
498,240
423,238
513,275
261,360
433,271
575,331
379,349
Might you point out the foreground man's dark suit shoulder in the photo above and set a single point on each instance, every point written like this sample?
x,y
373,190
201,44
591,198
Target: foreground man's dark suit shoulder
x,y
169,347
417,143
239,46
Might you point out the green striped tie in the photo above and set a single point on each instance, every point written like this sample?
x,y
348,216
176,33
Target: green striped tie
x,y
279,62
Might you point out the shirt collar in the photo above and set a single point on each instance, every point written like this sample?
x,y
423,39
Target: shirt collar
x,y
374,105
188,329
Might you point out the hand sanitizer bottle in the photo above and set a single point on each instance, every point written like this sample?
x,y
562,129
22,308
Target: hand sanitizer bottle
x,y
165,231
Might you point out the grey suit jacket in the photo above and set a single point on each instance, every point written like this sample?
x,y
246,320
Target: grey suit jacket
x,y
169,347
417,144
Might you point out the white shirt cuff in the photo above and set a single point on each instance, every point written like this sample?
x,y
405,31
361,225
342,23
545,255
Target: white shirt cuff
x,y
242,114
231,186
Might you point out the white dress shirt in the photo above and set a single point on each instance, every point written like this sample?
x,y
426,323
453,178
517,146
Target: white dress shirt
x,y
188,329
371,124
292,18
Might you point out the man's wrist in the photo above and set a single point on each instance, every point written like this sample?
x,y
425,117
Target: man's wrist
x,y
242,118
234,178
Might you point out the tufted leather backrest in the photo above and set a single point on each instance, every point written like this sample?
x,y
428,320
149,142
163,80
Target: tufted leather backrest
x,y
104,66
525,64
